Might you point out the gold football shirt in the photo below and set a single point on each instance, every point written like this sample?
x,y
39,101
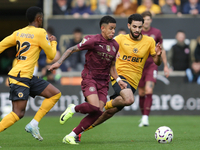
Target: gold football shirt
x,y
133,55
29,42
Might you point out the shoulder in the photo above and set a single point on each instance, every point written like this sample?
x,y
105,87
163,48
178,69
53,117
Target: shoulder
x,y
148,38
120,36
87,37
155,29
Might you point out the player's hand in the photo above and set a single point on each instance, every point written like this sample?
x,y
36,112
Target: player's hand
x,y
122,84
56,65
52,38
166,71
158,49
118,55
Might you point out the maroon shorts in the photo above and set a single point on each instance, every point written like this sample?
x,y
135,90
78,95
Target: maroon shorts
x,y
99,87
149,74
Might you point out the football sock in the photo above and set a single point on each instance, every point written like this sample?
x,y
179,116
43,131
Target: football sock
x,y
147,104
145,117
72,134
141,103
86,108
90,127
87,121
46,106
73,109
34,122
109,104
8,120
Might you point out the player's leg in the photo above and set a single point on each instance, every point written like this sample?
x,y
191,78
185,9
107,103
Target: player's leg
x,y
141,92
105,116
126,99
150,80
51,94
148,101
122,97
19,95
16,114
91,107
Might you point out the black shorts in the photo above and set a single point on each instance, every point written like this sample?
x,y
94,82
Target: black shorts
x,y
35,86
117,88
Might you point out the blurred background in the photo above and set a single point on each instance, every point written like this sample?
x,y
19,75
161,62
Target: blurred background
x,y
71,20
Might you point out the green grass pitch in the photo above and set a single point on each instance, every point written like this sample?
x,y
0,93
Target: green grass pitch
x,y
118,133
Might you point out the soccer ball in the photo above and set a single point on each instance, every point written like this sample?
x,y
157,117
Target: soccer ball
x,y
164,135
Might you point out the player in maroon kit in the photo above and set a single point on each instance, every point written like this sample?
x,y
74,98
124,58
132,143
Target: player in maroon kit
x,y
99,65
149,75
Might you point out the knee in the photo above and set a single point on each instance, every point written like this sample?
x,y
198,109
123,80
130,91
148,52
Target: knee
x,y
129,101
95,110
20,114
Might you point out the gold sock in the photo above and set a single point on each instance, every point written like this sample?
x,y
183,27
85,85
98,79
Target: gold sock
x,y
46,106
8,121
109,105
90,127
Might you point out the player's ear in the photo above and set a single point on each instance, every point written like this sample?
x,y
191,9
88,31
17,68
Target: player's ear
x,y
102,28
129,26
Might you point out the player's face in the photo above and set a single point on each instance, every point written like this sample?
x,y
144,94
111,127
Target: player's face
x,y
135,29
40,20
108,30
147,22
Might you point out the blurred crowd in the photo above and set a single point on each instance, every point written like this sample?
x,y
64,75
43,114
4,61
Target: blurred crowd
x,y
85,8
181,56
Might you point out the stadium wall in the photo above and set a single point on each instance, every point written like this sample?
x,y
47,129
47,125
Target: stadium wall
x,y
172,96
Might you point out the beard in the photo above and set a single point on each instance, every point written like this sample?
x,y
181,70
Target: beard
x,y
135,37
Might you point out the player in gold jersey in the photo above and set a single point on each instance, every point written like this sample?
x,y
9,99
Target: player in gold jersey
x,y
29,41
134,49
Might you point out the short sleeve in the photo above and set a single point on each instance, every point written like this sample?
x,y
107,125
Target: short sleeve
x,y
87,43
118,39
152,47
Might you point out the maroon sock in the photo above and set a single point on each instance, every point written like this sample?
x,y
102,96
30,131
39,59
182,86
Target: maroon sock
x,y
141,103
147,104
85,108
87,121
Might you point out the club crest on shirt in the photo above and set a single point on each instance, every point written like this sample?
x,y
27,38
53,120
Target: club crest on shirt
x,y
92,89
108,48
20,94
153,36
82,42
113,48
47,38
135,50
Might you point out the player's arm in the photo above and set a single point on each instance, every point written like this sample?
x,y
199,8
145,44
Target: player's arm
x,y
164,59
48,47
113,73
7,42
66,54
157,57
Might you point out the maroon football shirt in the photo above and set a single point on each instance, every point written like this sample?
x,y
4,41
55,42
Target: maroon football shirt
x,y
156,34
100,54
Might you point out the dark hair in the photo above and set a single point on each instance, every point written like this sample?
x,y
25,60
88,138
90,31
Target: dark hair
x,y
146,13
77,30
182,31
32,12
50,30
135,17
106,20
